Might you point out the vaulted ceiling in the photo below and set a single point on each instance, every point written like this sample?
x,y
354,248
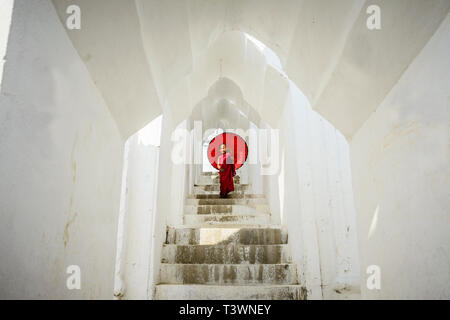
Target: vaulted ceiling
x,y
147,55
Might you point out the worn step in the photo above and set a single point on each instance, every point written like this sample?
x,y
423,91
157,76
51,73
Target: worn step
x,y
209,173
224,235
212,192
227,209
229,292
230,196
213,179
226,254
228,274
227,201
215,188
201,219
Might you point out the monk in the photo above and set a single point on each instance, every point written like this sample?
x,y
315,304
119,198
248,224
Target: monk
x,y
225,164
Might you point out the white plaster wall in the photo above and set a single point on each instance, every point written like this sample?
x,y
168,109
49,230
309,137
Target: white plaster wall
x,y
253,166
60,163
110,44
400,162
140,199
170,193
6,8
314,196
179,158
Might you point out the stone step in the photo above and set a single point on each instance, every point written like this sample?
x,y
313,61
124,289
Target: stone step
x,y
236,192
224,235
230,292
213,179
226,254
227,209
217,183
227,201
214,189
230,196
209,173
206,219
228,274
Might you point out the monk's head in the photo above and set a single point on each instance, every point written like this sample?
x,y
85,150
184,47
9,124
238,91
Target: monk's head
x,y
223,148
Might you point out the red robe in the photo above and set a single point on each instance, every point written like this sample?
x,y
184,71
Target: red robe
x,y
226,175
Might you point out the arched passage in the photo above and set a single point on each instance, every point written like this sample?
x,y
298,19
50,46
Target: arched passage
x,y
328,257
74,106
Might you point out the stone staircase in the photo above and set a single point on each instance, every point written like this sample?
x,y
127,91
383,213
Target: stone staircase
x,y
227,249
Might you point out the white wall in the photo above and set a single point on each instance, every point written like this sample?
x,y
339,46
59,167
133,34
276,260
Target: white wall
x,y
400,162
60,163
6,8
252,165
314,196
139,202
180,154
171,191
